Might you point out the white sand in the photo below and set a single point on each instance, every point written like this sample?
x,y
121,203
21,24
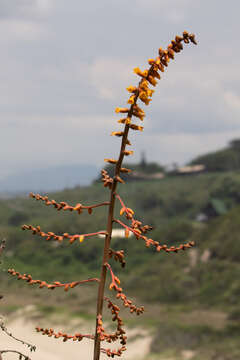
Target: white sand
x,y
49,348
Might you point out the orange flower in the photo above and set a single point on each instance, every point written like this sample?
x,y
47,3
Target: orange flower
x,y
124,170
128,152
136,127
124,121
121,110
111,161
117,133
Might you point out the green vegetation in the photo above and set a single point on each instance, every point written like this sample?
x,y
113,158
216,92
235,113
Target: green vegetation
x,y
206,277
170,206
205,342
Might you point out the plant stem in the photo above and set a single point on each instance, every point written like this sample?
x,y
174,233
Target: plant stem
x,y
108,241
110,220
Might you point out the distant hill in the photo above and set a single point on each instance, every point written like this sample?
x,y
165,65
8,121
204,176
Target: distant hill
x,y
49,179
227,159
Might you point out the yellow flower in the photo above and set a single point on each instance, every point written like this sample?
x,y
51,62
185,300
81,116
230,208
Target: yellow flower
x,y
132,89
81,238
124,121
131,99
151,61
137,71
122,211
144,97
150,92
77,207
140,73
144,85
145,73
121,110
117,133
130,210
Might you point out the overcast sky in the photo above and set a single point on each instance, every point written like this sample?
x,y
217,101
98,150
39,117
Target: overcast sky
x,y
65,66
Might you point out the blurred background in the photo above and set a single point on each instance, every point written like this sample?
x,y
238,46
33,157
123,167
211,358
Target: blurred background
x,y
65,67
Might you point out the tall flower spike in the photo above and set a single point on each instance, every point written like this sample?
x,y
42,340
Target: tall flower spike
x,y
143,92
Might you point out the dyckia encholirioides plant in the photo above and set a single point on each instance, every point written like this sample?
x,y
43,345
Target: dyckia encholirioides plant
x,y
144,93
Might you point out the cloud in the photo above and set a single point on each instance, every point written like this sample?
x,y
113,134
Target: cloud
x,y
232,100
20,30
43,141
173,11
66,67
25,8
194,99
110,76
181,147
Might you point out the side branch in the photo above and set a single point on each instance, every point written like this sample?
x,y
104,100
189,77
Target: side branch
x,y
120,295
118,256
135,224
157,245
65,206
4,329
75,337
112,353
119,333
106,179
51,235
28,278
21,355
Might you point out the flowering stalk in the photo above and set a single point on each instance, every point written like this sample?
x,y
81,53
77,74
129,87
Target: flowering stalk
x,y
144,93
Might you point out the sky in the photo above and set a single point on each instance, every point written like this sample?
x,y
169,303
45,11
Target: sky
x,y
65,66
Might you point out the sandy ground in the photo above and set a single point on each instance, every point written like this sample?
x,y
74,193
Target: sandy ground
x,y
23,326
